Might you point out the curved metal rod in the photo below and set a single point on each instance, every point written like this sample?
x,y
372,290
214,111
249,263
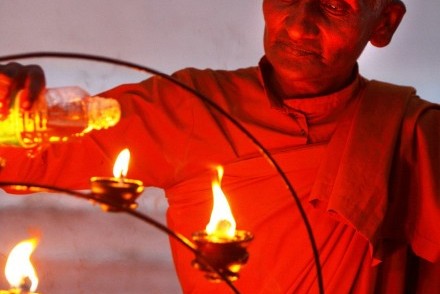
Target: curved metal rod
x,y
205,99
18,186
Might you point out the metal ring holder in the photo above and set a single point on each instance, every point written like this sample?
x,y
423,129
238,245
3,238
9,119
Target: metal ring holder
x,y
223,273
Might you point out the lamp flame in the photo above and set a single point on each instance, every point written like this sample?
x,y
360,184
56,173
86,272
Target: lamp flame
x,y
120,168
19,270
222,223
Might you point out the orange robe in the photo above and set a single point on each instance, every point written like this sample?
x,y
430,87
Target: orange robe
x,y
176,140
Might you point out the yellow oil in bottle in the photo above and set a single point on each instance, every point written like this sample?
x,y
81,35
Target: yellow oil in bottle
x,y
42,126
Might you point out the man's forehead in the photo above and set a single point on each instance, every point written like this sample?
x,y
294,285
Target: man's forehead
x,y
367,3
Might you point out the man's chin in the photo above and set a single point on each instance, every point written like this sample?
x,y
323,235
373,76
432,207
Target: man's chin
x,y
297,70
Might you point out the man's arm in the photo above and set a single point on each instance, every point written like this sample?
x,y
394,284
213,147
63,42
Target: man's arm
x,y
156,125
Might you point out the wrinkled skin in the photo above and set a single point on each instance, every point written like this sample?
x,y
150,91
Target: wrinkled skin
x,y
313,45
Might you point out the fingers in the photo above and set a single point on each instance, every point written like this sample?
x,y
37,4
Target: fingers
x,y
8,74
14,77
34,84
5,93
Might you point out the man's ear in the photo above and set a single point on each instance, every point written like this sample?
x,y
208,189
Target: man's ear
x,y
388,22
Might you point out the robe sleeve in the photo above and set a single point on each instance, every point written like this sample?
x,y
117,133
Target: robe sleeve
x,y
171,134
423,155
422,228
414,203
156,125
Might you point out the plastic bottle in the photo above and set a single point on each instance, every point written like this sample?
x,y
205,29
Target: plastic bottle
x,y
59,115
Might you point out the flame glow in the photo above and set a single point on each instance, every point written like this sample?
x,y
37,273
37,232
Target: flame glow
x,y
19,268
222,223
120,168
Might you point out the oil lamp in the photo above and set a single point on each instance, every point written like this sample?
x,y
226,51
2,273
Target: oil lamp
x,y
19,271
220,244
117,190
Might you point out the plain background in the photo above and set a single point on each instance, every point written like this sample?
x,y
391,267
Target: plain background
x,y
83,251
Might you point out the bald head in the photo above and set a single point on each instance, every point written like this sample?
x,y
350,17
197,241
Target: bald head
x,y
378,4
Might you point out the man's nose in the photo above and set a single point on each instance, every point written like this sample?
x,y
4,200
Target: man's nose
x,y
302,20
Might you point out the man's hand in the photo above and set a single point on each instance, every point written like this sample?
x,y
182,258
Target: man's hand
x,y
14,77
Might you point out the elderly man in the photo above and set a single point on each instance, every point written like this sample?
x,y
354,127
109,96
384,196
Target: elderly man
x,y
362,155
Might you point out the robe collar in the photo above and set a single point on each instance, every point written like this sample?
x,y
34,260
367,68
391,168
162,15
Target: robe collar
x,y
314,108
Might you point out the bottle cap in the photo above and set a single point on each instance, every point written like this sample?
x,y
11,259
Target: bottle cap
x,y
102,113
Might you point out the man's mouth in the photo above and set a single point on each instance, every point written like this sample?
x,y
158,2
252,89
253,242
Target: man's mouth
x,y
297,49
